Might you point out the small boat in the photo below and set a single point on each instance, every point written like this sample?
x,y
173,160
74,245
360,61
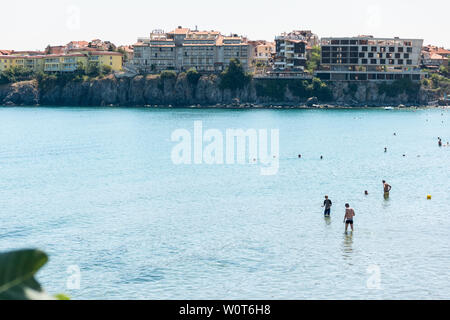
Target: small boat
x,y
389,108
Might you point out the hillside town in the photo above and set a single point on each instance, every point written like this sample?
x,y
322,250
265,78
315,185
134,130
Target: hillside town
x,y
299,54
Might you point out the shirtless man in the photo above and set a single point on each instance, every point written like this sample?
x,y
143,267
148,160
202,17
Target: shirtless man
x,y
348,218
387,188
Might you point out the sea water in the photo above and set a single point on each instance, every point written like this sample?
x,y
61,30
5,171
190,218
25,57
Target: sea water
x,y
97,190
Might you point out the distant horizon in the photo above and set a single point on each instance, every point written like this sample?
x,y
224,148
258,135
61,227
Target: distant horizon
x,y
79,20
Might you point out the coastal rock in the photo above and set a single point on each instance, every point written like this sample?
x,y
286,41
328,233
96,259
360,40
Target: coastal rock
x,y
152,90
20,93
312,101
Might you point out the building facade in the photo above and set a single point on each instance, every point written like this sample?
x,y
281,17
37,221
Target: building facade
x,y
182,49
61,62
290,52
262,52
367,58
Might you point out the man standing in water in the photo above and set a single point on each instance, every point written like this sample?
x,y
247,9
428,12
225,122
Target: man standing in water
x,y
327,204
387,189
348,218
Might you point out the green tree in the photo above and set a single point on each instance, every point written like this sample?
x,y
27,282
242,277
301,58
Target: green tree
x,y
104,70
314,61
234,77
93,69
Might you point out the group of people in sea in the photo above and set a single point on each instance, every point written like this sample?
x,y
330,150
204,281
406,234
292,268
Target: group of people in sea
x,y
349,211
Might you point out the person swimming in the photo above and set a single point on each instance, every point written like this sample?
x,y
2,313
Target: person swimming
x,y
366,193
387,189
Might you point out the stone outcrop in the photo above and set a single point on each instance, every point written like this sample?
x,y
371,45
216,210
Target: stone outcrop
x,y
20,93
152,90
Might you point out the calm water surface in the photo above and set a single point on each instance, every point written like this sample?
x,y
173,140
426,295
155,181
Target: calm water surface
x,y
96,187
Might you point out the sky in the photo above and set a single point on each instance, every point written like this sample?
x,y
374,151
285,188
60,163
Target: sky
x,y
36,24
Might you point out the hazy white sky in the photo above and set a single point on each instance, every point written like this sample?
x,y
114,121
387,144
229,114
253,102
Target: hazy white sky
x,y
31,24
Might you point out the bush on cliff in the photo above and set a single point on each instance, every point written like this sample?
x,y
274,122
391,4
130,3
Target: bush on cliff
x,y
398,87
193,76
234,77
15,74
166,76
303,89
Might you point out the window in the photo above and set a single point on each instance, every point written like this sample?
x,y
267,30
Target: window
x,y
400,49
409,50
373,61
364,61
391,49
400,61
406,55
397,56
362,55
409,62
382,61
370,54
365,49
373,49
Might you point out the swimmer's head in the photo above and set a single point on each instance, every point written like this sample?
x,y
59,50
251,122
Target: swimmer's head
x,y
347,205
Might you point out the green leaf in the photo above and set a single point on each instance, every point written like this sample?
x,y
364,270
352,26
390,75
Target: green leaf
x,y
17,270
61,296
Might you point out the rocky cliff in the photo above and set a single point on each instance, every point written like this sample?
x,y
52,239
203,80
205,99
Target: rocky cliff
x,y
153,90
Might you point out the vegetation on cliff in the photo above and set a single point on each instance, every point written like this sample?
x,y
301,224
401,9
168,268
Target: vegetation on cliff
x,y
234,77
276,89
400,86
83,73
313,62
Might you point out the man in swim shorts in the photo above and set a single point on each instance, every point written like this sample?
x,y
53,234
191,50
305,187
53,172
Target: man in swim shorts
x,y
348,218
327,204
387,189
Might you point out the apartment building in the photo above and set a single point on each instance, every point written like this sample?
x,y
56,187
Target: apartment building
x,y
262,52
367,58
290,52
61,62
33,63
182,49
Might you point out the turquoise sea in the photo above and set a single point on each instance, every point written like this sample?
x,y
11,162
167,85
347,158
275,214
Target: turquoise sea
x,y
96,188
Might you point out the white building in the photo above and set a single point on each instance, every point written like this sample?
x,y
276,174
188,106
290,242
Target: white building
x,y
182,49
